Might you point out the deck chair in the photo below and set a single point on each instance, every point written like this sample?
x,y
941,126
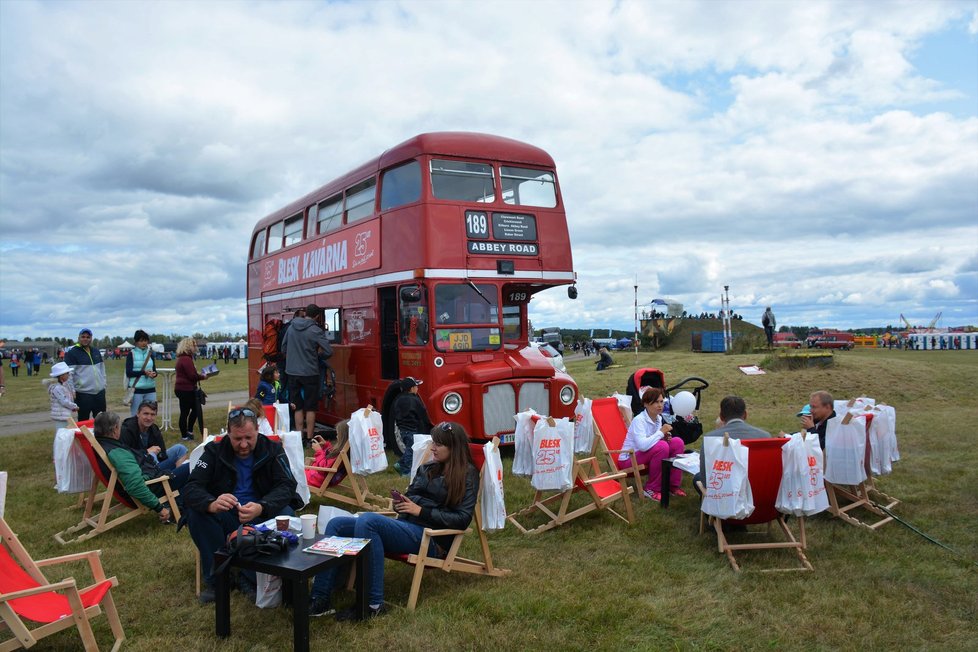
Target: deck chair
x,y
352,489
609,425
26,595
844,499
602,490
100,514
452,563
764,475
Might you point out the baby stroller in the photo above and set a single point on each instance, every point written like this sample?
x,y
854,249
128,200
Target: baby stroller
x,y
689,429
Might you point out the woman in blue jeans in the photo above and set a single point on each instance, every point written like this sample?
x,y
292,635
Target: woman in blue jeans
x,y
442,495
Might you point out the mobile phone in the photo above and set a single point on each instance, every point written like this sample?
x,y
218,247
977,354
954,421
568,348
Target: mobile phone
x,y
319,438
397,496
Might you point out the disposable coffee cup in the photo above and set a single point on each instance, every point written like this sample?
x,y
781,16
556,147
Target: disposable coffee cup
x,y
308,525
281,523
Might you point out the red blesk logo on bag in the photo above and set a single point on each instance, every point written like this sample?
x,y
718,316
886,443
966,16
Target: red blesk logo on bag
x,y
722,465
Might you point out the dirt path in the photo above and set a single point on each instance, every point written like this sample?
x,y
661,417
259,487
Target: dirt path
x,y
18,424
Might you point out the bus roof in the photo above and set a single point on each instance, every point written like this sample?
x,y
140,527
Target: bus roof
x,y
463,144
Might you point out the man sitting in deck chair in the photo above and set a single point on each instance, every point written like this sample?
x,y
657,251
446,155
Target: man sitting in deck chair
x,y
135,466
244,478
733,421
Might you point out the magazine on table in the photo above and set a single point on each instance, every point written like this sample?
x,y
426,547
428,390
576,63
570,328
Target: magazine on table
x,y
337,546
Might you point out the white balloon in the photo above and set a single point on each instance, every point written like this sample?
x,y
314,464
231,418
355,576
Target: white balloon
x,y
683,404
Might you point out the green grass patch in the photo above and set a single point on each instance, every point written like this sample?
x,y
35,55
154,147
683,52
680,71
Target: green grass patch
x,y
599,584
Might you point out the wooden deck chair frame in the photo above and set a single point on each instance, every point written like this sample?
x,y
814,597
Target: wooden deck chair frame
x,y
611,430
352,489
845,499
100,514
603,489
83,604
453,562
765,495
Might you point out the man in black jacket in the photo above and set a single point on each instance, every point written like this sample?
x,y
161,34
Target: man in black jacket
x,y
244,478
142,434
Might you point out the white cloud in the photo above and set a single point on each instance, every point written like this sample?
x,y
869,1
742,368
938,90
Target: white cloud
x,y
789,150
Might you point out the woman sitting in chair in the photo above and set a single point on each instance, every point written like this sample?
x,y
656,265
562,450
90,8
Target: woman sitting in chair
x,y
442,495
652,441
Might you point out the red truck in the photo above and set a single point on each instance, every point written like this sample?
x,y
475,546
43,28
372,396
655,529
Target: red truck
x,y
830,340
787,340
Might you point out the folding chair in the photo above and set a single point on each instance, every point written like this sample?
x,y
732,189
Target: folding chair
x,y
25,594
602,489
764,474
843,499
452,563
610,424
352,489
107,515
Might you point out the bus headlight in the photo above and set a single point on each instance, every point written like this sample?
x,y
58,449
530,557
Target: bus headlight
x,y
567,395
452,403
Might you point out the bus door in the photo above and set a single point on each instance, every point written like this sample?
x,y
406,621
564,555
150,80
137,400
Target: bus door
x,y
387,300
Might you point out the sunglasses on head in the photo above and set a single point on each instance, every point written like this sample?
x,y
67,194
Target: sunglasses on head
x,y
237,412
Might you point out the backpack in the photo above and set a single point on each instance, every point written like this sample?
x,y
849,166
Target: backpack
x,y
270,340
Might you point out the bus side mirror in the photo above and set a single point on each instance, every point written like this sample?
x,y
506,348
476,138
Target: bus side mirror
x,y
410,294
572,292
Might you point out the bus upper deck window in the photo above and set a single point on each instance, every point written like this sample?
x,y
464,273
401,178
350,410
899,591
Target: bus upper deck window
x,y
330,215
293,230
527,187
360,200
258,249
400,185
275,236
462,181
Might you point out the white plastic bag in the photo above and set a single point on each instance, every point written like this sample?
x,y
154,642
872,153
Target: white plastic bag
x,y
292,443
728,494
523,443
420,451
583,426
624,406
493,503
880,455
802,491
73,474
3,491
553,454
845,450
269,591
367,442
891,431
198,451
281,417
326,514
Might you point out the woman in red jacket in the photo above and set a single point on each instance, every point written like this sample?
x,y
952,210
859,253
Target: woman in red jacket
x,y
185,387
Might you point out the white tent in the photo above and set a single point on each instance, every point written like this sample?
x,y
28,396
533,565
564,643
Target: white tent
x,y
126,345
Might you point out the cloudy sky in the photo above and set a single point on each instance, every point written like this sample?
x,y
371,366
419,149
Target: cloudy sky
x,y
818,157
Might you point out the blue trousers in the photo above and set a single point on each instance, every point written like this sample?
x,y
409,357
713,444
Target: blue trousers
x,y
386,534
210,532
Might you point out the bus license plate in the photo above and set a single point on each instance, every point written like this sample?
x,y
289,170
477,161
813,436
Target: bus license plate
x,y
460,341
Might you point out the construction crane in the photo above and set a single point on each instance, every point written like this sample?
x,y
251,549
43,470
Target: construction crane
x,y
905,322
933,322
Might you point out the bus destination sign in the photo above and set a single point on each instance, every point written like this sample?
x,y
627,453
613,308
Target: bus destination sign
x,y
503,248
512,226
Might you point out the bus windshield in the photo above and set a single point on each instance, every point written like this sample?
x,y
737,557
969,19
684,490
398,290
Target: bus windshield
x,y
460,310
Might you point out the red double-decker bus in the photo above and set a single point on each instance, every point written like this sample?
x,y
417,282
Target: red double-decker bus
x,y
424,260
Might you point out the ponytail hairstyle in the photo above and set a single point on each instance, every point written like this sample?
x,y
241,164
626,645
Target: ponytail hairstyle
x,y
454,470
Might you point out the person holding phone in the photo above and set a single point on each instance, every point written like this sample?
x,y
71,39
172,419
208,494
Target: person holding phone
x,y
442,495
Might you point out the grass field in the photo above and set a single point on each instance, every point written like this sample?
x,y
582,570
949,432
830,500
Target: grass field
x,y
599,584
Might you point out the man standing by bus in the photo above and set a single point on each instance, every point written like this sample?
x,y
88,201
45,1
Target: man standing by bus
x,y
88,375
301,346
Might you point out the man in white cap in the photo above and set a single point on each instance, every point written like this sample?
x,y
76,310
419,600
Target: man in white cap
x,y
88,375
410,417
